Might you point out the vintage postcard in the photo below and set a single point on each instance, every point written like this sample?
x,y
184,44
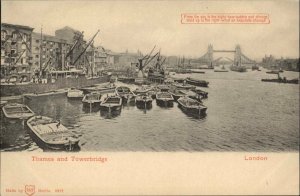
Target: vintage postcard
x,y
149,97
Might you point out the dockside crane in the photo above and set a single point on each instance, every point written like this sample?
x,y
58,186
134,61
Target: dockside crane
x,y
84,50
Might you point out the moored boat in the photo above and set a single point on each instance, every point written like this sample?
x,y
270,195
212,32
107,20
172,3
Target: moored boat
x,y
164,99
143,101
92,99
125,93
17,111
183,86
142,90
280,80
100,88
11,89
200,92
197,82
163,88
177,94
52,134
111,104
75,94
192,106
60,92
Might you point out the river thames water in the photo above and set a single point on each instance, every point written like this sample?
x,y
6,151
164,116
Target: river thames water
x,y
244,114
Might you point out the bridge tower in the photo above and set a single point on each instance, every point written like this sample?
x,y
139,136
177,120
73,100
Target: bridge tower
x,y
210,54
238,56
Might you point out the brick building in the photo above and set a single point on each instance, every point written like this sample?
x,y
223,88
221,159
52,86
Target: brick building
x,y
15,49
50,51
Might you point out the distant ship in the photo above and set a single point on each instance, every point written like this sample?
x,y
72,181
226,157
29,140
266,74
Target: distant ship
x,y
238,68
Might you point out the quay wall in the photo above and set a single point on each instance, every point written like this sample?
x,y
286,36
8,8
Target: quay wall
x,y
60,83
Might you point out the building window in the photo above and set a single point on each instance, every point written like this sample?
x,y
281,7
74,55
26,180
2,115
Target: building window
x,y
3,34
24,36
36,56
15,35
24,46
37,41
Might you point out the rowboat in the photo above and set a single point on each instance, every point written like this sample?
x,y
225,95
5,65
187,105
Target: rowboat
x,y
111,104
191,106
143,101
125,93
197,82
177,94
51,134
183,86
92,99
164,99
142,90
163,88
17,111
75,94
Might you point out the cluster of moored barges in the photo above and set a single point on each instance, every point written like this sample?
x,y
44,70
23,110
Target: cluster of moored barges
x,y
109,99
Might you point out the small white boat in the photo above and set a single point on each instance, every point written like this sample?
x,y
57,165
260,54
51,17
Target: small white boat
x,y
51,134
75,94
17,111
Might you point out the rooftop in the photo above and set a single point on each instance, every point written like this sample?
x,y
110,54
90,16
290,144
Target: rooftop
x,y
17,26
50,38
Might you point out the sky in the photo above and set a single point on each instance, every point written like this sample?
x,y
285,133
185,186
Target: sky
x,y
133,25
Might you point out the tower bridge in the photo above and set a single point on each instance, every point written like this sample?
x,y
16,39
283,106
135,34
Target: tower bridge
x,y
239,57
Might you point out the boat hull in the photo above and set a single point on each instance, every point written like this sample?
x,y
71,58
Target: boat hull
x,y
164,102
200,83
63,145
199,111
60,83
295,81
115,108
141,104
193,111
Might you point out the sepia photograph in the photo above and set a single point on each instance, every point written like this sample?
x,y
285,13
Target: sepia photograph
x,y
191,77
